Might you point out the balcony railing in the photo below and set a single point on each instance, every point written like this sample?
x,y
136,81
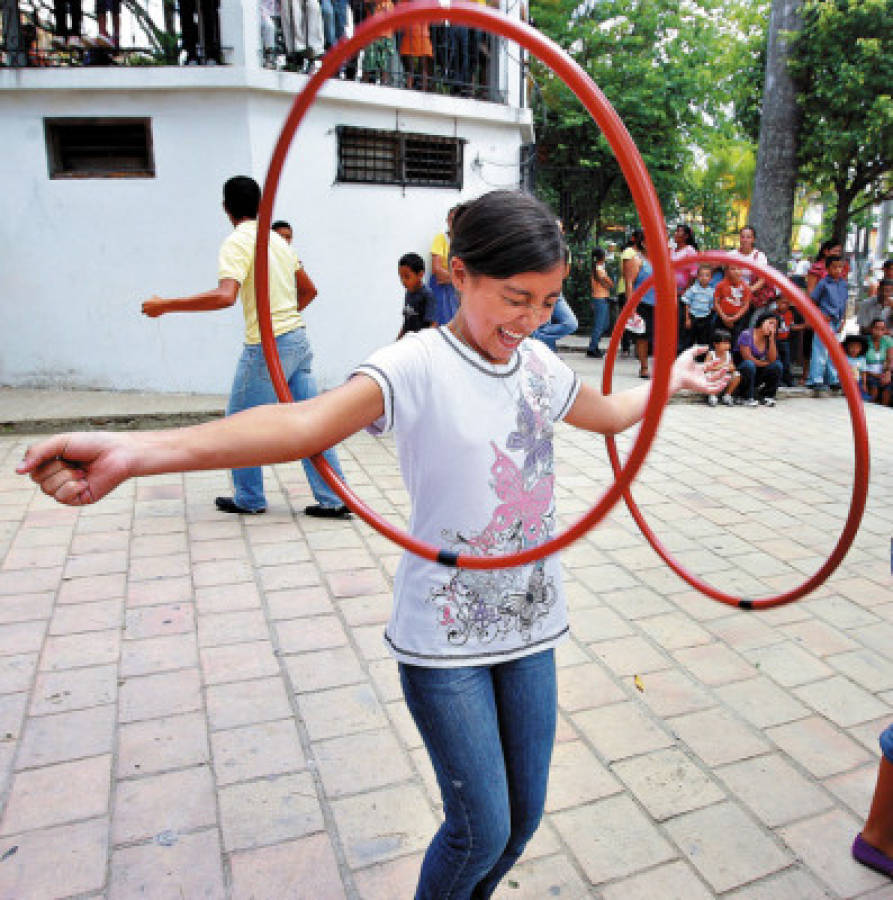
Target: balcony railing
x,y
440,59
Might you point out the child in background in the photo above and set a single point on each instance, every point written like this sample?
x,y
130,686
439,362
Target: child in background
x,y
731,300
419,309
879,363
284,230
417,54
830,296
855,345
788,323
698,304
474,407
721,356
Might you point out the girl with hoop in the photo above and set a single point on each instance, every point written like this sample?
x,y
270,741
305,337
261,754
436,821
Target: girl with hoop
x,y
473,406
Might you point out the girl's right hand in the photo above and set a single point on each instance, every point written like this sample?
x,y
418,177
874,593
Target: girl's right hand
x,y
76,469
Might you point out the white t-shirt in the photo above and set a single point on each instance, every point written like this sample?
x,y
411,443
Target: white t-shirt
x,y
755,256
475,445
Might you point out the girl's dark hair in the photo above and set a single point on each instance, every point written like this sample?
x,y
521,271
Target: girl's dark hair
x,y
598,255
241,197
279,223
637,238
504,233
689,235
721,336
825,247
764,316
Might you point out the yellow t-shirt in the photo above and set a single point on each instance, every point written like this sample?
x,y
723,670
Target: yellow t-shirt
x,y
440,246
629,253
236,261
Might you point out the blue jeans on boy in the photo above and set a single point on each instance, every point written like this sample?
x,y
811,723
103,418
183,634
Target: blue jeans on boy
x,y
563,322
601,315
489,731
820,366
252,387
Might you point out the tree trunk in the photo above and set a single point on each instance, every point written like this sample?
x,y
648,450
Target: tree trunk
x,y
772,209
845,197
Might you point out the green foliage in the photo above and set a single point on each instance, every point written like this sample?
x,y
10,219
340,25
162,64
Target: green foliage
x,y
671,69
843,63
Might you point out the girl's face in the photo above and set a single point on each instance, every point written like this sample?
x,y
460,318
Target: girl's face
x,y
680,237
746,240
496,314
768,327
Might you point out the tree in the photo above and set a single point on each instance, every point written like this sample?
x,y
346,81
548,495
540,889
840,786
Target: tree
x,y
843,62
775,178
668,68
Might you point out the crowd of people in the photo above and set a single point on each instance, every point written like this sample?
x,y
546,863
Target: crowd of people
x,y
748,324
445,57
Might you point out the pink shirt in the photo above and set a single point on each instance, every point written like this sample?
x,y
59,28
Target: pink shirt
x,y
686,274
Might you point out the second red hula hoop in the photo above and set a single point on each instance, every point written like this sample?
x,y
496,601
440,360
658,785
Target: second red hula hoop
x,y
646,203
861,463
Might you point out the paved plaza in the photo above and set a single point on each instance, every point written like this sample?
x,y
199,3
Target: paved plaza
x,y
194,705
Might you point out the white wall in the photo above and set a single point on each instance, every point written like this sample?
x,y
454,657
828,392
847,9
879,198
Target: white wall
x,y
80,255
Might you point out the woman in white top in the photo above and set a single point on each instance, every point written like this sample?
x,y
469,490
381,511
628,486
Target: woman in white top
x,y
473,406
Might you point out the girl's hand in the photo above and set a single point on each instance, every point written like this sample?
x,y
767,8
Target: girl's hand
x,y
153,307
76,469
708,377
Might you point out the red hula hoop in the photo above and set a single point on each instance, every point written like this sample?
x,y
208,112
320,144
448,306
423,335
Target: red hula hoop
x,y
857,416
644,197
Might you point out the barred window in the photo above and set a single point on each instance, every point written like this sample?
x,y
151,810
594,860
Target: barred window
x,y
376,156
99,148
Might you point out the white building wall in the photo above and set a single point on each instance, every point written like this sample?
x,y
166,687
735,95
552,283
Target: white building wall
x,y
81,254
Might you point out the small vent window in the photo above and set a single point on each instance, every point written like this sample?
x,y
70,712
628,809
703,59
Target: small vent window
x,y
374,156
99,148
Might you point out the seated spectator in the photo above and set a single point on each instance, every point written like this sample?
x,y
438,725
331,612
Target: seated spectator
x,y
759,367
722,351
697,304
874,846
880,306
855,345
563,321
879,364
731,301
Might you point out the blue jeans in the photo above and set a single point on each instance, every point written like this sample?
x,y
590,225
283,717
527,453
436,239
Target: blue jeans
x,y
489,731
252,387
601,315
820,367
563,322
753,377
887,743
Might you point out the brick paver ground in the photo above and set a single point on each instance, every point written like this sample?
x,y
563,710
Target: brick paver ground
x,y
195,705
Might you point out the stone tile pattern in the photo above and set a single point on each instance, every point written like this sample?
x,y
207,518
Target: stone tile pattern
x,y
198,705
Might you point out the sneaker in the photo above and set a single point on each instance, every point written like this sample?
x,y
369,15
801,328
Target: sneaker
x,y
318,511
228,505
751,402
727,400
712,400
595,354
767,401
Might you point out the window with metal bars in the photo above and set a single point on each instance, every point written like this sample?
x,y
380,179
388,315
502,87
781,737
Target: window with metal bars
x,y
99,148
376,156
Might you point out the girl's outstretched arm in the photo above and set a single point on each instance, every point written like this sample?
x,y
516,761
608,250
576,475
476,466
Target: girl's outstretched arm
x,y
82,468
593,411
